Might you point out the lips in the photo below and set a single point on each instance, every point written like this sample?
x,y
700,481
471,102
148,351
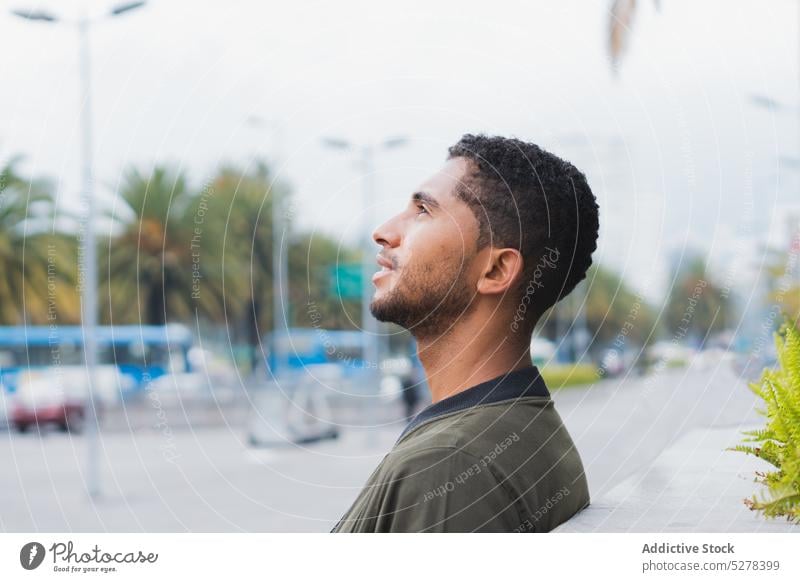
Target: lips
x,y
387,268
384,262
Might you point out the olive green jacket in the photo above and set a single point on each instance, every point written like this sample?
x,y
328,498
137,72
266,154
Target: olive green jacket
x,y
493,458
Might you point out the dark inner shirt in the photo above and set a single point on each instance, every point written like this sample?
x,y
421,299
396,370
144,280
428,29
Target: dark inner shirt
x,y
509,386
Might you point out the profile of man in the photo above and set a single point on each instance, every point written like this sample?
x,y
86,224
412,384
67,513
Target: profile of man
x,y
481,251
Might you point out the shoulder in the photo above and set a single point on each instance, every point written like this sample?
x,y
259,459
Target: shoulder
x,y
482,428
424,471
443,488
429,458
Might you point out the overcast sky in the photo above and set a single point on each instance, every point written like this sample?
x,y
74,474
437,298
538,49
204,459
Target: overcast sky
x,y
674,146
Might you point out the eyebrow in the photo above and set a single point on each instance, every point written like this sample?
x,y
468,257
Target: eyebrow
x,y
425,197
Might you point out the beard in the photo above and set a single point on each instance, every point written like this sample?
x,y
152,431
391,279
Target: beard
x,y
425,300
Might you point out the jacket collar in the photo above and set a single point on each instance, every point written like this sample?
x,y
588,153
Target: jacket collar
x,y
509,386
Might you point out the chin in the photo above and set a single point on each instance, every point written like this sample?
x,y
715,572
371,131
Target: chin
x,y
377,296
380,310
382,290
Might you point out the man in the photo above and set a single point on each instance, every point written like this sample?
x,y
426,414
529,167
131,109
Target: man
x,y
481,251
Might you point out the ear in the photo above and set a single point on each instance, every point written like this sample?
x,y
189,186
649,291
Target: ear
x,y
502,270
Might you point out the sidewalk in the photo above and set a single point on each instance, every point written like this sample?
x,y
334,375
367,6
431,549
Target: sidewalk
x,y
695,485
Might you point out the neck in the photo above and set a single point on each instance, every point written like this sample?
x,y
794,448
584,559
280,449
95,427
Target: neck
x,y
468,355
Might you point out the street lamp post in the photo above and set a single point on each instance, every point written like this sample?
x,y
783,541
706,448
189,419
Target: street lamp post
x,y
368,323
280,251
89,247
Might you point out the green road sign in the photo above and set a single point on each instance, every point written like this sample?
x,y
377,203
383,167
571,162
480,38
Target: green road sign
x,y
345,280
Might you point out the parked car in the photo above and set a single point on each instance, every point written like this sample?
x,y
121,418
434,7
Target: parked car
x,y
612,363
59,395
669,354
296,411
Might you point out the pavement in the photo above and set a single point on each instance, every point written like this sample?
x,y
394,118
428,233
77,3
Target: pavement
x,y
653,449
695,485
204,479
622,425
654,452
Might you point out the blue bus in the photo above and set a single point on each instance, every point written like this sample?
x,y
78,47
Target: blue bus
x,y
143,352
301,347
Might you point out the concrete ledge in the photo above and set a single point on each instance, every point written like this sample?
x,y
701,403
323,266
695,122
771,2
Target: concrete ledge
x,y
695,485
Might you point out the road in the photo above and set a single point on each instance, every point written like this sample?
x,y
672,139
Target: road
x,y
170,475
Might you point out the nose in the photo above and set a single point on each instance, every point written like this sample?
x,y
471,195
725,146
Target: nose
x,y
388,233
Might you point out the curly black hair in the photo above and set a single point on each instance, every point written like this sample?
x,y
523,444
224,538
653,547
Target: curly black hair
x,y
529,199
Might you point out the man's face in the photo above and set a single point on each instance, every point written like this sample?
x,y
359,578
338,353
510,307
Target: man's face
x,y
428,262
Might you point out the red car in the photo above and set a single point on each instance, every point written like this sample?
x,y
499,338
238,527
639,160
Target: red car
x,y
68,416
58,395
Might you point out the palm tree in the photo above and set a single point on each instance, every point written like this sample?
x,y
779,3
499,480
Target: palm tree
x,y
37,285
236,242
147,266
696,306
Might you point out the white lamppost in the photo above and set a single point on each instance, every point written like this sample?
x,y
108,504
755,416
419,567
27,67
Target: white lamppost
x,y
89,248
280,249
367,157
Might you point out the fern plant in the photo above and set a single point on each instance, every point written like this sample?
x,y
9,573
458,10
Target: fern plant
x,y
779,442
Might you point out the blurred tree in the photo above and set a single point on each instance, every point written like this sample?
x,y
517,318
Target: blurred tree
x,y
38,264
791,304
311,258
238,243
172,254
613,310
696,307
234,239
146,269
783,284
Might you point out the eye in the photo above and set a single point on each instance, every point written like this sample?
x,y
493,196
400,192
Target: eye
x,y
421,209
